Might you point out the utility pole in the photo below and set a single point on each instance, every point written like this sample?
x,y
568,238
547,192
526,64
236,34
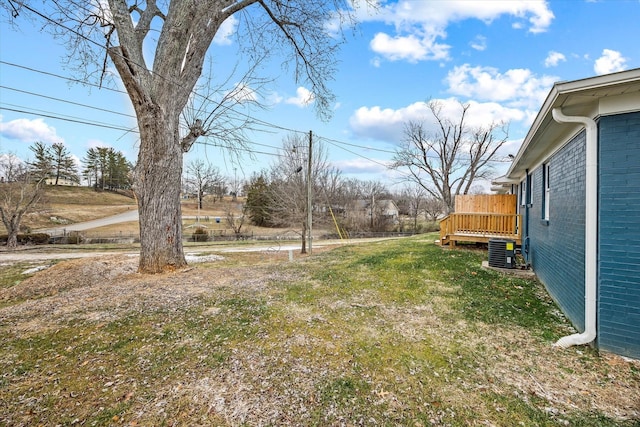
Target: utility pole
x,y
309,194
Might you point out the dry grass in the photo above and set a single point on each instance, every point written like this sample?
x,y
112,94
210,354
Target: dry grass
x,y
67,205
390,333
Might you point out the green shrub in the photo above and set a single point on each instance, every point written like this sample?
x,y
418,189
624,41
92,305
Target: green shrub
x,y
431,227
28,239
200,235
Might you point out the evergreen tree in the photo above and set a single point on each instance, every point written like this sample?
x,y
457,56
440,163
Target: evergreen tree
x,y
63,165
41,167
120,171
106,169
91,170
259,200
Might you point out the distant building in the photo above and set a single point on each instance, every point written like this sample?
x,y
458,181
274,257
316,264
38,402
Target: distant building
x,y
62,181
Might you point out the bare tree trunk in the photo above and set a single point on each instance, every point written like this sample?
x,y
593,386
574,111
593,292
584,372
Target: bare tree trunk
x,y
12,226
12,210
303,250
157,188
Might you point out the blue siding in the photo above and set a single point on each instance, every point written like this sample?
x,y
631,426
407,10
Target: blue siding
x,y
619,234
557,246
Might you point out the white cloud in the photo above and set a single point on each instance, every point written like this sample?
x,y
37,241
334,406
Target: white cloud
x,y
226,30
273,98
360,165
410,48
385,124
610,62
440,14
77,161
516,88
9,158
388,124
420,26
30,131
479,43
303,98
243,93
554,58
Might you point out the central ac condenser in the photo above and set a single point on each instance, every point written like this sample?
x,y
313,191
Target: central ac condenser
x,y
502,253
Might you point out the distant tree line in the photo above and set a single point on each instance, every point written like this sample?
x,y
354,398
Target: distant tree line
x,y
103,168
350,205
301,185
278,197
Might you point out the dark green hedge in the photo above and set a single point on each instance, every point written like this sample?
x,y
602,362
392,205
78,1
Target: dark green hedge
x,y
31,238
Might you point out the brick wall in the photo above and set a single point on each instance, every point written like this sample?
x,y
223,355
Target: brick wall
x,y
619,234
557,245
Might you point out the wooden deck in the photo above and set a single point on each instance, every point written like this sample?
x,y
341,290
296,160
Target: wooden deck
x,y
479,227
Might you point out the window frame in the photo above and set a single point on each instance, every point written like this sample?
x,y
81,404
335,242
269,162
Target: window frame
x,y
546,190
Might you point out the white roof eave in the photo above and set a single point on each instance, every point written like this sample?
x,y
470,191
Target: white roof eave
x,y
579,96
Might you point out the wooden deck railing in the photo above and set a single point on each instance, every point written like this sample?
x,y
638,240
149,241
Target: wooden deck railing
x,y
479,227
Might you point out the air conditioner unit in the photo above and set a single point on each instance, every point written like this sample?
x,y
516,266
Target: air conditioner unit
x,y
502,253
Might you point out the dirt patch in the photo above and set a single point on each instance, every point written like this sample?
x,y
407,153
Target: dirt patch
x,y
69,275
102,289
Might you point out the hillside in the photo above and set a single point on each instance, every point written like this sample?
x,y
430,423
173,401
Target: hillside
x,y
68,205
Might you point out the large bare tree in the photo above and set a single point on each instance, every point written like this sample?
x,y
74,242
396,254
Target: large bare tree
x,y
448,161
20,191
158,49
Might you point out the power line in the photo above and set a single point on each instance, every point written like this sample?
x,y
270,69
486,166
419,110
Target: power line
x,y
257,121
67,78
51,115
228,147
67,102
356,154
334,142
83,36
81,121
70,79
358,146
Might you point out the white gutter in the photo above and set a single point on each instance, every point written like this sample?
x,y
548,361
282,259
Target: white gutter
x,y
591,230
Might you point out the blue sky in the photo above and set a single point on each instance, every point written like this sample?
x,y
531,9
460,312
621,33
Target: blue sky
x,y
502,57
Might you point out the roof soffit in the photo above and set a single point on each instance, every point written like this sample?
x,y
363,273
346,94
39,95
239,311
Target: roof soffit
x,y
579,98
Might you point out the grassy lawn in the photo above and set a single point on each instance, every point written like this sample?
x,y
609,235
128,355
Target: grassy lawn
x,y
393,333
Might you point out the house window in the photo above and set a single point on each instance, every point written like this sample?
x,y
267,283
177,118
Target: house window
x,y
525,191
546,169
